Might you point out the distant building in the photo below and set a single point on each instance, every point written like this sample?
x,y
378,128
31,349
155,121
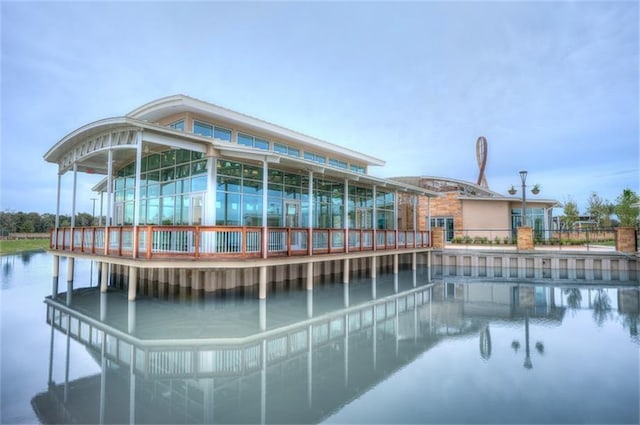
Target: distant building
x,y
468,209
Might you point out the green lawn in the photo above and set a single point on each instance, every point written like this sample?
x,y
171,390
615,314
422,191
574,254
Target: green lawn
x,y
20,245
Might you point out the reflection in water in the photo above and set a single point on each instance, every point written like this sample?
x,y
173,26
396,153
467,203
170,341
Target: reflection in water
x,y
574,297
296,357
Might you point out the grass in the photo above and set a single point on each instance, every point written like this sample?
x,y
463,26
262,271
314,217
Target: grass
x,y
20,245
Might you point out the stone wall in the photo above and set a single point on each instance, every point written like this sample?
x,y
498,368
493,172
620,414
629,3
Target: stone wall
x,y
626,239
525,238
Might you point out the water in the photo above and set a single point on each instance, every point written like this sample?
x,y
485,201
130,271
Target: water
x,y
405,351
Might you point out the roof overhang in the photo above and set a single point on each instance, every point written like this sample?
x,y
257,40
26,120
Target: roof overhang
x,y
157,109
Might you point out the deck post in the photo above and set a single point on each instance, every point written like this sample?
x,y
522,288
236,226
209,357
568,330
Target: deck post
x,y
104,276
374,266
56,274
133,283
345,271
263,314
69,279
263,283
309,276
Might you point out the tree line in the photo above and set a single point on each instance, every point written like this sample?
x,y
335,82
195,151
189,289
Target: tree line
x,y
21,222
601,212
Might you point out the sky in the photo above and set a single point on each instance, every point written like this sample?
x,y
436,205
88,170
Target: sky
x,y
553,86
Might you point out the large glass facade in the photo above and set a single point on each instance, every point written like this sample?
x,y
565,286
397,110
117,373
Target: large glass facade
x,y
169,182
174,186
535,217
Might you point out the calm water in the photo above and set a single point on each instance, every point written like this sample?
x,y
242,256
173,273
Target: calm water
x,y
389,351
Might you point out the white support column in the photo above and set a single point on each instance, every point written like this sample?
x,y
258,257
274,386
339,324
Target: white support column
x,y
310,241
395,214
310,365
263,283
57,222
309,304
265,191
374,224
262,312
73,199
395,264
309,276
346,215
109,185
56,274
263,384
70,261
101,203
210,202
414,201
345,270
104,276
133,283
136,191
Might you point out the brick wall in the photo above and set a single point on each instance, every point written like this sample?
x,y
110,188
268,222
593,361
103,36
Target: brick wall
x,y
437,237
626,239
525,238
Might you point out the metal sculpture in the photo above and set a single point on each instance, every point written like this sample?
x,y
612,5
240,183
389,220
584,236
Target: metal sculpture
x,y
481,156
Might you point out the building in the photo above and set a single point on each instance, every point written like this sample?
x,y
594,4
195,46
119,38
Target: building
x,y
186,179
467,209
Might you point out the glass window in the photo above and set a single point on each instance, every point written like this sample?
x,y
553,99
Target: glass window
x,y
228,184
251,172
153,211
261,144
153,162
252,210
153,190
168,208
222,134
227,209
183,156
202,129
245,140
252,187
167,174
168,188
178,125
337,163
183,171
356,168
229,168
199,167
168,158
279,148
128,213
199,184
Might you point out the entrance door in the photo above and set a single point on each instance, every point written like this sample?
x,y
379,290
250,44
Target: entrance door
x,y
291,214
197,210
292,220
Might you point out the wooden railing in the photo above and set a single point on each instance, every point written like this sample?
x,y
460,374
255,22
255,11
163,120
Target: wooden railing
x,y
192,242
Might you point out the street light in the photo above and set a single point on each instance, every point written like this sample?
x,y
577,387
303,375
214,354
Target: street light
x,y
513,191
523,177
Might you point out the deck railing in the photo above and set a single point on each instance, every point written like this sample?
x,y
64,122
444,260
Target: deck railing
x,y
191,242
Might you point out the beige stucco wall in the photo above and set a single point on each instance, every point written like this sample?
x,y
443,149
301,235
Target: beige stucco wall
x,y
493,217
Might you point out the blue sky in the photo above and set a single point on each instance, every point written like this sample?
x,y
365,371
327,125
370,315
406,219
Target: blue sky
x,y
553,86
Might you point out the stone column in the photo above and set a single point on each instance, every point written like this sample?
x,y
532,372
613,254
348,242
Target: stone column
x,y
525,238
437,237
626,240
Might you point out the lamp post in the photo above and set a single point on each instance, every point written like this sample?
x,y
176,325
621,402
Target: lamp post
x,y
523,177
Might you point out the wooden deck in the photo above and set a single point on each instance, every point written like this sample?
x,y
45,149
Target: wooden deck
x,y
227,242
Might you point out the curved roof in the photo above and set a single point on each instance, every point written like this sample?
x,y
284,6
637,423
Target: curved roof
x,y
159,108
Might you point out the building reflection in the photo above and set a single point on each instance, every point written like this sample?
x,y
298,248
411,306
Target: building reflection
x,y
288,359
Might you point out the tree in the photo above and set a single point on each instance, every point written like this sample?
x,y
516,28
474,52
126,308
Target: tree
x,y
600,210
571,214
627,208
